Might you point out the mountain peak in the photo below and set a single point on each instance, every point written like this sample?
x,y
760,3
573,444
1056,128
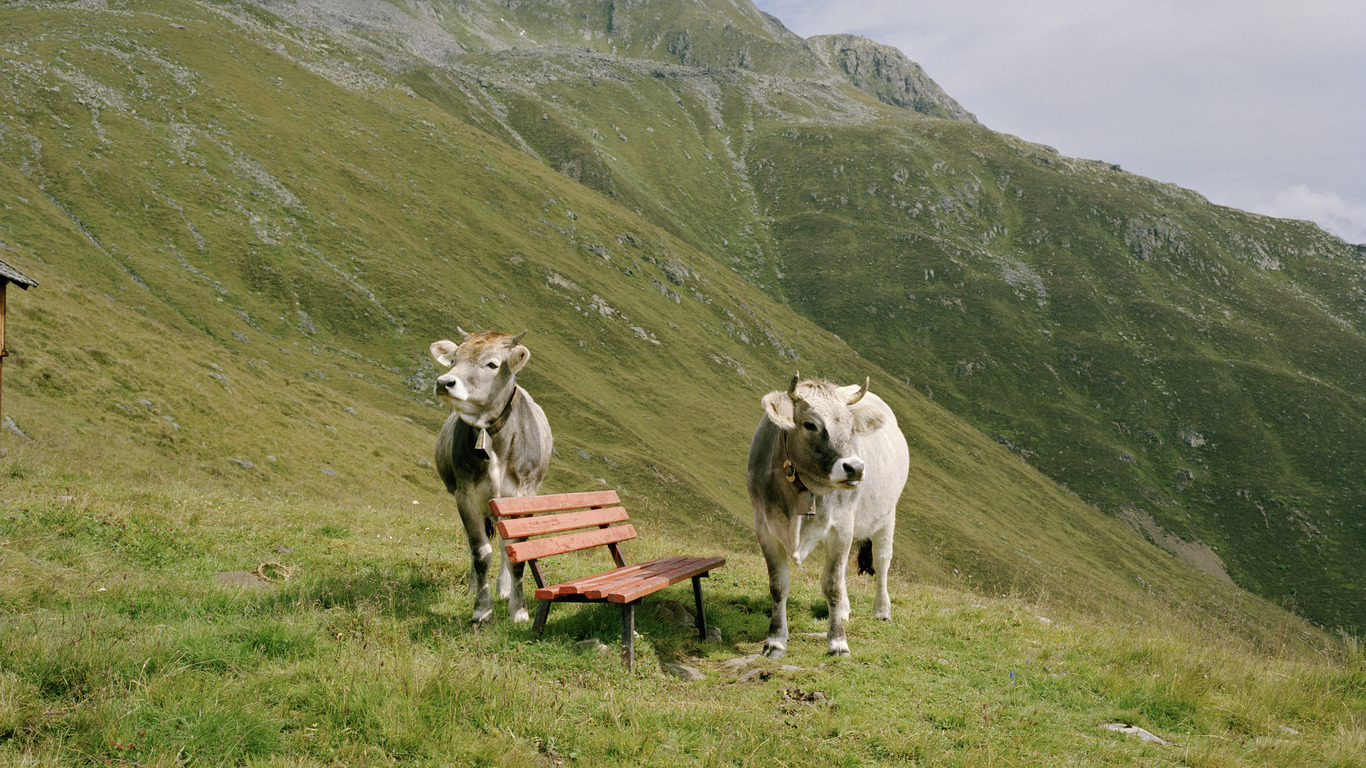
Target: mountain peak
x,y
885,73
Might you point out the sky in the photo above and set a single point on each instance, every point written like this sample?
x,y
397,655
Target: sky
x,y
1255,104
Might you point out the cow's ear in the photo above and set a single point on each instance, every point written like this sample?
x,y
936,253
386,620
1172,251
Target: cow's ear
x,y
517,358
778,409
867,414
444,351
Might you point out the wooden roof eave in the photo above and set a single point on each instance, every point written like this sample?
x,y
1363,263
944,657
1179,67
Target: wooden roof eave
x,y
9,274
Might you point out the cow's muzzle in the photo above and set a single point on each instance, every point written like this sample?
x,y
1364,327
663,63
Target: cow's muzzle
x,y
847,473
451,390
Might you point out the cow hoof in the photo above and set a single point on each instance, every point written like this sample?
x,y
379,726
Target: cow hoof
x,y
838,647
774,650
886,616
521,616
481,616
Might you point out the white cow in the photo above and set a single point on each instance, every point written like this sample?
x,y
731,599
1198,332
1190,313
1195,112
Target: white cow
x,y
827,464
495,443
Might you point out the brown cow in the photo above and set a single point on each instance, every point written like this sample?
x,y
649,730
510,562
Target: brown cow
x,y
495,443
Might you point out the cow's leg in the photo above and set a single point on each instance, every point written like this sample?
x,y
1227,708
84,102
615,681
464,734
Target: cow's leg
x,y
510,576
481,557
516,597
882,563
836,595
779,582
504,583
510,587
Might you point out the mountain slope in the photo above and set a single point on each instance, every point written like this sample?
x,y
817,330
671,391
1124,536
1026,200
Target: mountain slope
x,y
1166,358
246,237
1160,355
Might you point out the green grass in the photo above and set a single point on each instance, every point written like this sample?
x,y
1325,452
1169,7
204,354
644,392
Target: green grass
x,y
366,657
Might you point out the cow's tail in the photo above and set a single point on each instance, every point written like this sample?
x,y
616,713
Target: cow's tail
x,y
865,557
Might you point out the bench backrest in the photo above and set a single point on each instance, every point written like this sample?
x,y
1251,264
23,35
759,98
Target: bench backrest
x,y
566,522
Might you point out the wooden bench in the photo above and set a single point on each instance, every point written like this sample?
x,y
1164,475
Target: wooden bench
x,y
570,522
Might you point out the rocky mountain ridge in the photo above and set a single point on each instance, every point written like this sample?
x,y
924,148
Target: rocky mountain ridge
x,y
885,73
704,35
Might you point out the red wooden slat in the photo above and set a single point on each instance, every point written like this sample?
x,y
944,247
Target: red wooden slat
x,y
634,592
525,527
647,573
655,582
602,588
559,502
607,578
577,586
570,542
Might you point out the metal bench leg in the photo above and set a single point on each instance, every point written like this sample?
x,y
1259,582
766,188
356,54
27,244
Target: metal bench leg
x,y
701,616
542,611
628,635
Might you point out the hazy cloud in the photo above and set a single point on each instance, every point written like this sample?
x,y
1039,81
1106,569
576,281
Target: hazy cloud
x,y
1301,202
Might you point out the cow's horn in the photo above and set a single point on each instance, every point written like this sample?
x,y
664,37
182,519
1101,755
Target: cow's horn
x,y
792,388
463,333
518,338
861,392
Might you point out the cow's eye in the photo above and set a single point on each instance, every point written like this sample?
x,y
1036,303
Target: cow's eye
x,y
810,426
491,364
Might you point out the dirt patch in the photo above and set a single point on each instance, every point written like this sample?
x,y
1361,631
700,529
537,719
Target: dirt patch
x,y
795,698
1193,553
242,579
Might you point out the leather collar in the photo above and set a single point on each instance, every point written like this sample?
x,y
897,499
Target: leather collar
x,y
805,498
483,443
502,419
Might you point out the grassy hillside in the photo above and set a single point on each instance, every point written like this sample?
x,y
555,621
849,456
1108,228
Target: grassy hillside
x,y
1166,358
254,276
246,235
1153,351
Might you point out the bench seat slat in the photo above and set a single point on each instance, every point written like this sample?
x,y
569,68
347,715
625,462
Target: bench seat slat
x,y
569,542
559,502
652,581
648,570
525,527
610,578
579,586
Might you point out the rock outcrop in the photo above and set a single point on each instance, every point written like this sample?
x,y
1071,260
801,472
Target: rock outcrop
x,y
886,74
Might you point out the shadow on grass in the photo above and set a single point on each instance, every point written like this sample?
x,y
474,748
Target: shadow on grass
x,y
406,593
667,620
432,605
